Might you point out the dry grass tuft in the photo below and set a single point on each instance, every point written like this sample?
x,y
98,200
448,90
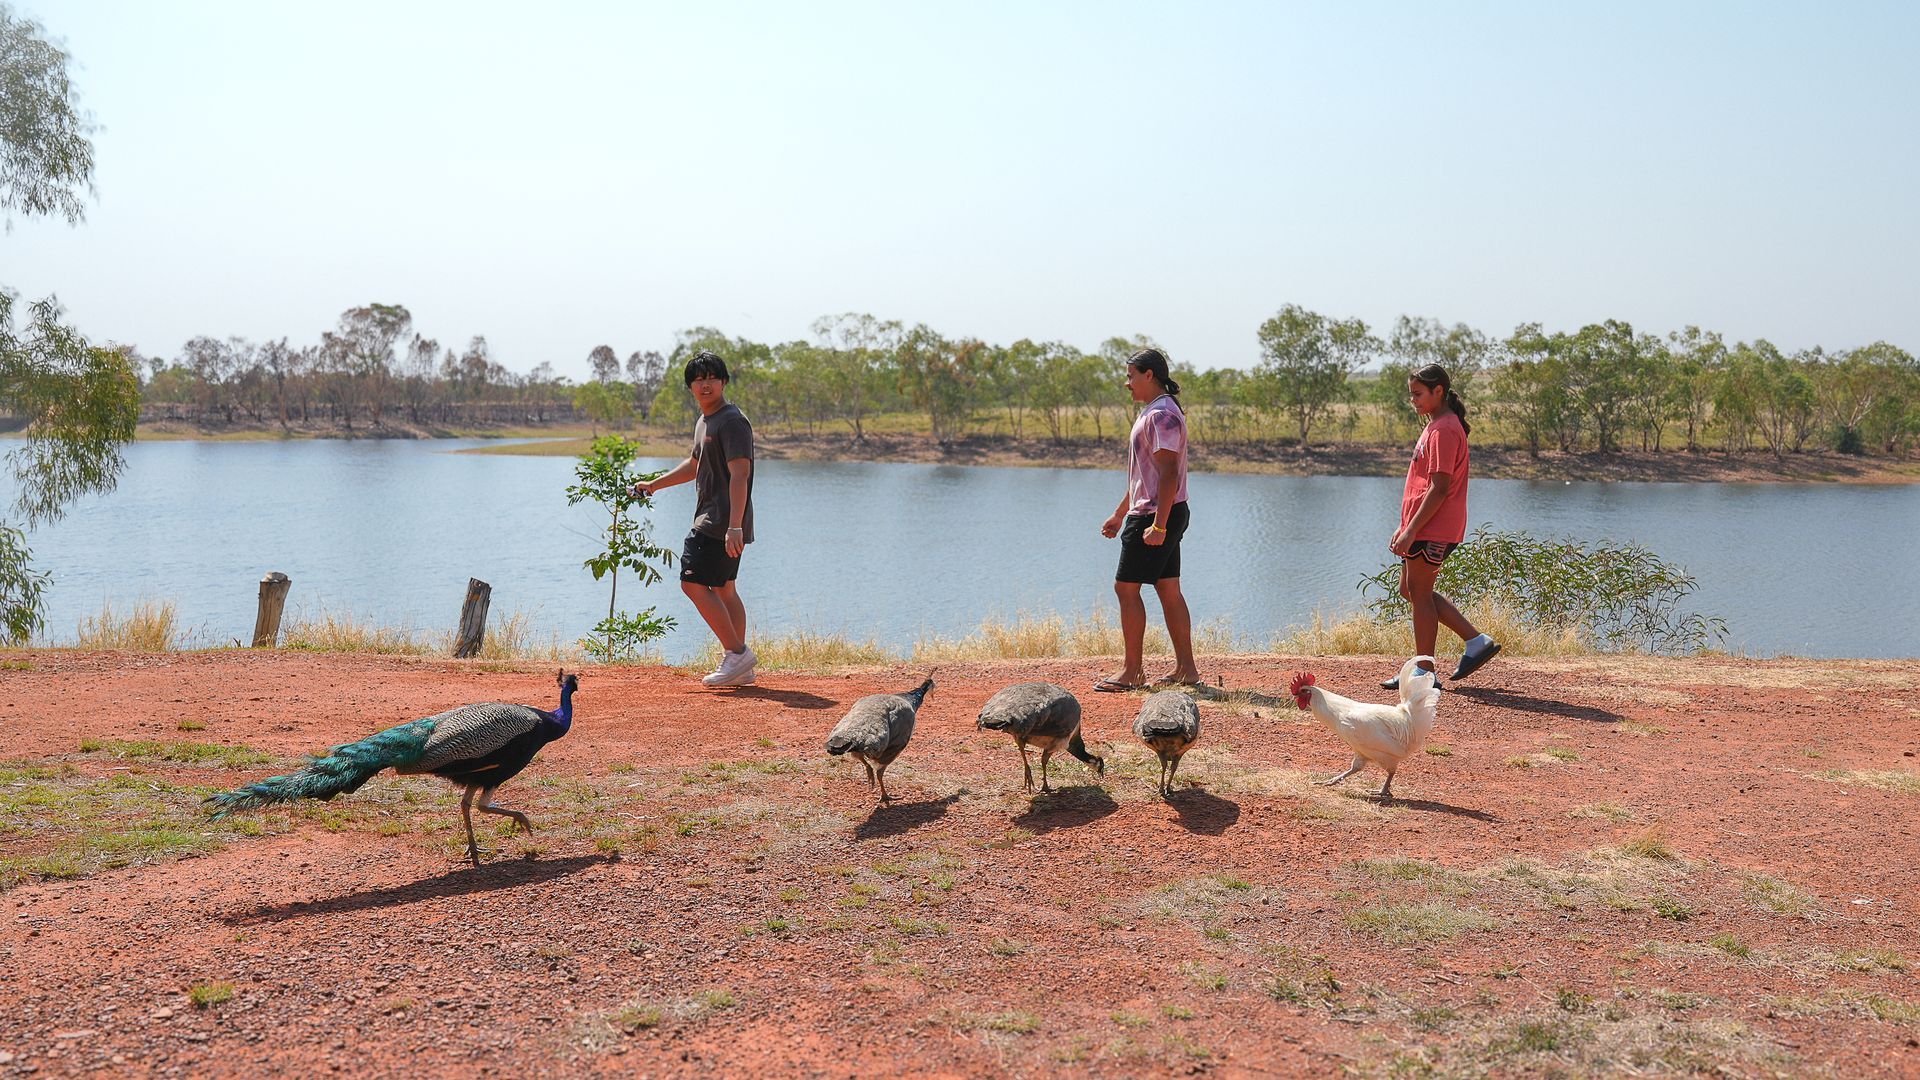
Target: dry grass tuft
x,y
152,626
330,633
1359,635
808,649
1905,783
512,637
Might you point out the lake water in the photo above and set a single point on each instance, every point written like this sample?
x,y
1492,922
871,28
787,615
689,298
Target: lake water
x,y
392,530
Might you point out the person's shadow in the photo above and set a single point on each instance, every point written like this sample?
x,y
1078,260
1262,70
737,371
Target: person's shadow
x,y
465,881
1203,812
892,819
792,699
1507,699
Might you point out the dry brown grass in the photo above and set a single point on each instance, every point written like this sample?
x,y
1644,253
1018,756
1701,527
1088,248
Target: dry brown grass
x,y
1027,636
346,633
152,626
1354,635
807,650
512,637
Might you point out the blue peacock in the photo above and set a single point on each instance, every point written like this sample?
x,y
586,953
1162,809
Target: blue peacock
x,y
478,747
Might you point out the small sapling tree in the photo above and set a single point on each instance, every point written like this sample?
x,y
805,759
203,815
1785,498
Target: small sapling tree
x,y
605,476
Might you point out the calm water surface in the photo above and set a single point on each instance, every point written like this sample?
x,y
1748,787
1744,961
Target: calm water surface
x,y
392,530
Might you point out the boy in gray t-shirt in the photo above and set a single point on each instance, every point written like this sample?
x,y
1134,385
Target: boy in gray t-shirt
x,y
721,467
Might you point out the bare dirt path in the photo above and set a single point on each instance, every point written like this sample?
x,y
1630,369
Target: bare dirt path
x,y
1628,865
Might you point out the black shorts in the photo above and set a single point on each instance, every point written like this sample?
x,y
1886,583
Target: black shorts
x,y
1433,551
1143,564
704,561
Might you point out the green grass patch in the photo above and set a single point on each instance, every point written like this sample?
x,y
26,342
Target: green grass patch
x,y
178,753
1669,908
207,995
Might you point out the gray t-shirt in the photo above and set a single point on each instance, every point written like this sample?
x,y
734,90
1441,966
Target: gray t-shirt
x,y
725,436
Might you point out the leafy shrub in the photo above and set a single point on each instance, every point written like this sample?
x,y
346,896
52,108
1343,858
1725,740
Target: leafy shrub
x,y
1617,597
605,477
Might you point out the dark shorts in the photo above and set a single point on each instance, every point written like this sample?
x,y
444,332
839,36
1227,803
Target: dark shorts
x,y
1142,564
1433,551
704,561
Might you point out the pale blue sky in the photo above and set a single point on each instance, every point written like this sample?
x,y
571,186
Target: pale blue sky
x,y
555,179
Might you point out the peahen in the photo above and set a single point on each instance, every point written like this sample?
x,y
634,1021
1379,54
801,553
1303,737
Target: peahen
x,y
1169,722
478,747
1043,715
876,729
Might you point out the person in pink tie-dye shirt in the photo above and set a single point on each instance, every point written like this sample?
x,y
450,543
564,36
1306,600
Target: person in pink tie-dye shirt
x,y
1150,521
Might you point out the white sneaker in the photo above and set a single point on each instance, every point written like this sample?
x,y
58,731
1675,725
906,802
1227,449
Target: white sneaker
x,y
736,669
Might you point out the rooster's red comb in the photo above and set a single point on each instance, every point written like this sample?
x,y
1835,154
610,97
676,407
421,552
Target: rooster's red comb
x,y
1301,680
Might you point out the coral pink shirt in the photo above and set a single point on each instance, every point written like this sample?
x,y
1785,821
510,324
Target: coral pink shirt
x,y
1161,426
1442,449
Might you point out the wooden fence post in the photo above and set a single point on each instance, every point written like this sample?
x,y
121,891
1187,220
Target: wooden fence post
x,y
473,619
273,600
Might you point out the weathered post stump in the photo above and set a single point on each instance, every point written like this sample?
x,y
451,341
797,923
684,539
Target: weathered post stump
x,y
273,601
473,619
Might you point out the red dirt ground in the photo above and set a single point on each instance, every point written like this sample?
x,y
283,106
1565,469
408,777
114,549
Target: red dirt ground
x,y
762,916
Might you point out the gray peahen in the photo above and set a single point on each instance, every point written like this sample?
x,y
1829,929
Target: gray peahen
x,y
1043,715
1169,721
876,729
478,747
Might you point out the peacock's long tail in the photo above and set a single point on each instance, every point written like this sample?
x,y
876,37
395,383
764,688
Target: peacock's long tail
x,y
340,772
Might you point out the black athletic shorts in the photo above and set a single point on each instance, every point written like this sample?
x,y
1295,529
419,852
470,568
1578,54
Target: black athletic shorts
x,y
704,561
1433,551
1143,564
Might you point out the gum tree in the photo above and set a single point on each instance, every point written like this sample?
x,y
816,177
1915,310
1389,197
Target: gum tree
x,y
80,402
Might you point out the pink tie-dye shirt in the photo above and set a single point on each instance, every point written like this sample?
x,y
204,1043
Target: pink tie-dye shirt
x,y
1162,426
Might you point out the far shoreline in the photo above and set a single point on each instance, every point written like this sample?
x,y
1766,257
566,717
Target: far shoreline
x,y
1269,458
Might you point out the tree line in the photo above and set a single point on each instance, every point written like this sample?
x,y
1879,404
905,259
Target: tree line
x,y
1604,387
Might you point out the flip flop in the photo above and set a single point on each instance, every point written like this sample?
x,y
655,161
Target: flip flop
x,y
1115,686
1471,662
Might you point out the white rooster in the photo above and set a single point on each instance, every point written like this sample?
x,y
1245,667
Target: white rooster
x,y
1383,734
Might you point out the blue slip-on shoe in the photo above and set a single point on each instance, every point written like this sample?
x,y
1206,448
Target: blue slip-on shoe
x,y
1471,662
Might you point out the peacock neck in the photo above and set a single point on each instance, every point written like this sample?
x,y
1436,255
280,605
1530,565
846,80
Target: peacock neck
x,y
564,714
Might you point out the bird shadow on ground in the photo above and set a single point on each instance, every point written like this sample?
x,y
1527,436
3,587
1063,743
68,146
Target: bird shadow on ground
x,y
1423,806
1066,808
1507,699
893,819
1203,812
506,874
792,699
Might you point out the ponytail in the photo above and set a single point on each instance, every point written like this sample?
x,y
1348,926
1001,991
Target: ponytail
x,y
1459,409
1154,360
1435,375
